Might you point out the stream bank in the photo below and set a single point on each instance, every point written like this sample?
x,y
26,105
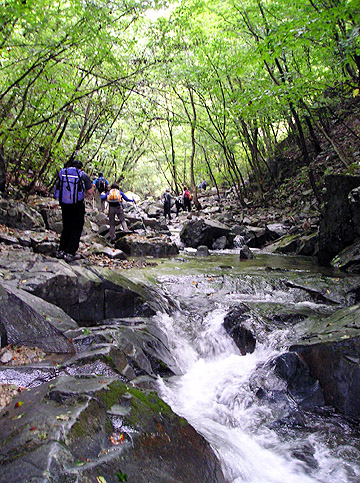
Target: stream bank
x,y
275,324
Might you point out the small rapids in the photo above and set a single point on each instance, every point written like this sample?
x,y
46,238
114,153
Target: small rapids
x,y
215,391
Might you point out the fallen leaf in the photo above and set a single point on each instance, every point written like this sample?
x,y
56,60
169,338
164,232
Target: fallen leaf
x,y
18,404
117,438
18,417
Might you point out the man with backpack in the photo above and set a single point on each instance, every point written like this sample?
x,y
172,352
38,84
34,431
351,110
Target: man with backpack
x,y
167,201
187,197
70,189
101,185
115,199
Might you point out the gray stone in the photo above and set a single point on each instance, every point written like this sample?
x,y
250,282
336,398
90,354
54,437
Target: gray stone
x,y
157,247
246,253
109,427
220,243
204,232
331,351
202,251
31,321
236,325
336,229
16,214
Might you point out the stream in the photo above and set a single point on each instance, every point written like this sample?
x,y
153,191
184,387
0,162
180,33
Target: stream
x,y
256,439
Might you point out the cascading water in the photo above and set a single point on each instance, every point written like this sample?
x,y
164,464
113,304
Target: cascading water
x,y
215,390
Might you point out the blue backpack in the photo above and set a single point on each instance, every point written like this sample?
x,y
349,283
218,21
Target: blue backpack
x,y
70,187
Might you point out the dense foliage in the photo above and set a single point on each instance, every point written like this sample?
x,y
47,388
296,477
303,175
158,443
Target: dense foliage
x,y
196,89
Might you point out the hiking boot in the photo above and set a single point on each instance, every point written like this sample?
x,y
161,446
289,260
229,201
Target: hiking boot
x,y
60,254
70,258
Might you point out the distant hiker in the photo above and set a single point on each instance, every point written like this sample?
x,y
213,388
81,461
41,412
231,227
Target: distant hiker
x,y
167,201
101,185
204,185
115,199
187,197
179,204
70,189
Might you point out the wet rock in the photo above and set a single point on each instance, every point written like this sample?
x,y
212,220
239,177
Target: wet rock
x,y
302,387
220,243
236,325
202,251
331,351
88,296
31,321
3,335
348,260
95,426
354,203
286,244
157,247
308,245
336,229
124,298
277,229
204,232
246,253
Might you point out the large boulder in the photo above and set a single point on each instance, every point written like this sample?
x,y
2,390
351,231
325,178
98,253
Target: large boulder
x,y
236,325
204,232
95,428
331,351
139,246
300,384
88,295
348,260
31,321
16,214
337,229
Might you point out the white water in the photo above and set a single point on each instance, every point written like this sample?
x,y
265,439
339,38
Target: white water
x,y
213,394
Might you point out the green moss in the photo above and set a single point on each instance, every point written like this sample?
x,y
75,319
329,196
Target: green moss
x,y
108,426
144,405
88,422
112,394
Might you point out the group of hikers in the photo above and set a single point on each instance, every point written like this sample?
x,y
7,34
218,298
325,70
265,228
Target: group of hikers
x,y
182,202
71,187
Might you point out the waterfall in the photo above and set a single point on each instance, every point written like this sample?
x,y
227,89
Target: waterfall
x,y
213,392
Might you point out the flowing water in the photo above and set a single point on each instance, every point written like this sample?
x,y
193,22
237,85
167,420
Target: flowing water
x,y
256,439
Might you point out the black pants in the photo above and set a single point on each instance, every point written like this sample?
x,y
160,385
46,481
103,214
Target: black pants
x,y
167,212
187,204
179,206
73,217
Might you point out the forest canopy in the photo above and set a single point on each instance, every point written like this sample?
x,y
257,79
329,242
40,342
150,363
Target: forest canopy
x,y
159,94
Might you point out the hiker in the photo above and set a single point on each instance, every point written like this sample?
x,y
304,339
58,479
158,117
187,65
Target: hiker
x,y
179,204
167,201
115,198
187,197
204,185
101,185
70,189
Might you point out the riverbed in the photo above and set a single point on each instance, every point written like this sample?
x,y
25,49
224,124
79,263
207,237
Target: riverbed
x,y
257,439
